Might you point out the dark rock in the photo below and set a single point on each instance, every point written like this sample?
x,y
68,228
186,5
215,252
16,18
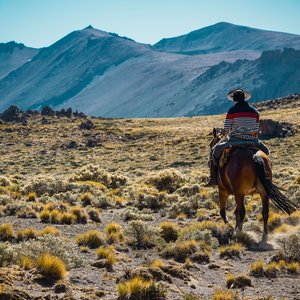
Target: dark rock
x,y
70,145
87,125
60,288
45,121
92,142
100,263
47,111
272,129
13,114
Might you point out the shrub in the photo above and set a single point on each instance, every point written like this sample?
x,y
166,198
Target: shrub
x,y
62,218
6,232
222,294
293,267
153,201
168,180
6,253
107,253
94,215
91,239
114,233
239,281
132,213
26,262
271,269
51,266
180,251
169,231
245,239
45,216
54,245
233,250
79,215
257,269
49,230
190,296
141,235
140,289
26,234
274,221
31,197
290,246
86,198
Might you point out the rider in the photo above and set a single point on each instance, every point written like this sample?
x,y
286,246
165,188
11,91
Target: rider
x,y
241,125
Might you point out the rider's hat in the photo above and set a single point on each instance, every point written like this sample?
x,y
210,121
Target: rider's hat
x,y
238,95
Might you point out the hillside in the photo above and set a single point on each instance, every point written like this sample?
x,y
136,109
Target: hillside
x,y
224,36
13,56
123,178
103,74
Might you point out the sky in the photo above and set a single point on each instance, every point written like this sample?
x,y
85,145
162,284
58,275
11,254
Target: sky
x,y
40,23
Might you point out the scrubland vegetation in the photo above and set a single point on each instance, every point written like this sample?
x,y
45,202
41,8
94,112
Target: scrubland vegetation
x,y
130,217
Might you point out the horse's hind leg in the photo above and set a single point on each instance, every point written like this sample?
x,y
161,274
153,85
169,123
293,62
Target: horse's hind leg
x,y
223,196
239,211
265,213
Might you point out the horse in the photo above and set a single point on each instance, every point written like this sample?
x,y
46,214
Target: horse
x,y
248,170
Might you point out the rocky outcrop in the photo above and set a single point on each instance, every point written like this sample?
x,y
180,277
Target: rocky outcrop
x,y
273,129
13,115
87,125
290,101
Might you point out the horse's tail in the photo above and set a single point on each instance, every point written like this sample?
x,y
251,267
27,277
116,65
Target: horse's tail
x,y
272,191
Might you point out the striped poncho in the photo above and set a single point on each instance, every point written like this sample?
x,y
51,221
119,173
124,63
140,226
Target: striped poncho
x,y
242,121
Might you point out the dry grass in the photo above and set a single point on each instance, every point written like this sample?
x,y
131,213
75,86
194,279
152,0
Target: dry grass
x,y
92,239
51,266
6,232
231,251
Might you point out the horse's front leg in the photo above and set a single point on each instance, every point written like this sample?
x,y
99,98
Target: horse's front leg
x,y
239,211
223,196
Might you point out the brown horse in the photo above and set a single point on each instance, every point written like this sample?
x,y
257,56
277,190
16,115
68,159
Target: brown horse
x,y
247,171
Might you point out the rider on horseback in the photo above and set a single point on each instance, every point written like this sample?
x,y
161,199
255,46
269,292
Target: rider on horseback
x,y
241,127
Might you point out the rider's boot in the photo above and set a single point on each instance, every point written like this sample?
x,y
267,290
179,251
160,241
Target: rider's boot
x,y
213,180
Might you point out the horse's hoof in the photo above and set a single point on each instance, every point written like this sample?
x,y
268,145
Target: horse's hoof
x,y
264,238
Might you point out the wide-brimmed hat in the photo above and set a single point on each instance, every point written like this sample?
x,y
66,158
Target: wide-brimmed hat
x,y
247,95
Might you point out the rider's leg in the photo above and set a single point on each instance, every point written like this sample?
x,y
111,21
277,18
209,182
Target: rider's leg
x,y
263,147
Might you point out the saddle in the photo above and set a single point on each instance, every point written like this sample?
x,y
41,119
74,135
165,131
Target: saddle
x,y
224,159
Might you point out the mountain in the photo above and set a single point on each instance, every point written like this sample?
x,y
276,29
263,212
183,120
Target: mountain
x,y
13,56
95,71
103,74
228,37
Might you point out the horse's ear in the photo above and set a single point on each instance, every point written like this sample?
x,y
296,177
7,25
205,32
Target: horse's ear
x,y
214,132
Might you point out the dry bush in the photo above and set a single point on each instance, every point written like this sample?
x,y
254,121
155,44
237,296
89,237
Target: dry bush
x,y
114,233
107,253
86,198
91,239
31,197
95,173
26,262
180,251
239,281
153,201
41,185
51,266
141,234
191,296
140,289
224,294
6,232
80,215
27,233
272,269
290,246
167,180
132,213
232,250
169,231
257,269
188,190
58,246
184,205
94,214
6,253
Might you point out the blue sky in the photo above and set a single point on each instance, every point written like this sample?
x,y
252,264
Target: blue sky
x,y
39,23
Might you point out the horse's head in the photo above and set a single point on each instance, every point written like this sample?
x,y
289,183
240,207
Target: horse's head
x,y
217,133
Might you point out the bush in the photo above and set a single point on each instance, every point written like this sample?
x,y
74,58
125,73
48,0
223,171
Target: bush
x,y
79,215
168,180
6,232
271,269
94,215
107,253
114,233
6,253
290,246
169,231
224,295
53,245
140,289
27,233
257,269
239,281
91,239
180,251
230,251
141,235
51,266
